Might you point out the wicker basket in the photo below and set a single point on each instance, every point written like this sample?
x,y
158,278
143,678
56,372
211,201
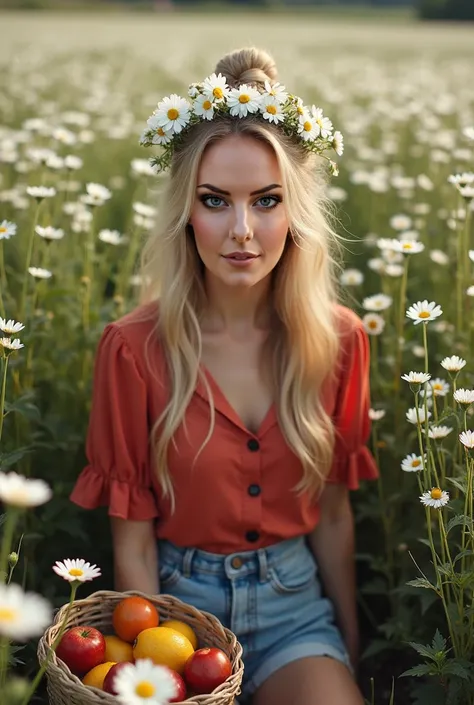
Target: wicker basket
x,y
64,688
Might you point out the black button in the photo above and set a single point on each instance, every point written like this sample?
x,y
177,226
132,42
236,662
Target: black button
x,y
254,490
252,536
253,444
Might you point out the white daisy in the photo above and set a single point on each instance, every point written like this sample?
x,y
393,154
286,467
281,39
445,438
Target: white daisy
x,y
439,387
111,237
351,277
324,124
439,257
7,230
373,323
436,498
160,135
408,247
72,162
203,106
464,397
401,222
423,312
243,100
96,195
470,290
469,133
49,233
19,491
144,209
142,167
388,244
76,569
416,377
467,192
467,439
10,327
193,90
173,113
215,87
144,683
61,134
376,414
23,615
40,192
307,127
277,91
9,344
439,432
338,143
453,363
40,273
413,463
271,110
378,302
412,418
55,162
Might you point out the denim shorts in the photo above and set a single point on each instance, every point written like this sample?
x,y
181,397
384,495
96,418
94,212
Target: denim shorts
x,y
270,598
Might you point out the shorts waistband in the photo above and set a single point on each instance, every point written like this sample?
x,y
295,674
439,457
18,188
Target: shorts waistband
x,y
242,563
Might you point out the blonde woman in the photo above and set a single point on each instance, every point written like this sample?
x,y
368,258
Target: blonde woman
x,y
230,409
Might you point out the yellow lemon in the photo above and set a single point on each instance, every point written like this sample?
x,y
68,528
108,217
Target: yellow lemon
x,y
95,677
183,628
117,649
164,646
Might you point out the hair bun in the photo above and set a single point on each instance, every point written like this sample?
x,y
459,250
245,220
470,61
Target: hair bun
x,y
250,65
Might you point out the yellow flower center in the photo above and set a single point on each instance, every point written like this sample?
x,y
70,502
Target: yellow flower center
x,y
218,93
299,110
3,230
173,114
373,324
424,314
271,109
76,572
161,132
407,246
416,463
7,614
436,493
319,122
437,387
244,98
307,126
207,105
145,689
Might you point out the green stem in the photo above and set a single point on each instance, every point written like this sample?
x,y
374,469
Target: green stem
x,y
29,255
52,648
401,318
7,540
2,394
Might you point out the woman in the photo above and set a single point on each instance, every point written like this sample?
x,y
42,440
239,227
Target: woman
x,y
230,409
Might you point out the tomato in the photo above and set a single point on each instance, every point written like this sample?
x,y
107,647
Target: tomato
x,y
180,685
109,678
81,648
206,669
132,615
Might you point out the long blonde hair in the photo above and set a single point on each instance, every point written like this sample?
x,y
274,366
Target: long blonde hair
x,y
302,347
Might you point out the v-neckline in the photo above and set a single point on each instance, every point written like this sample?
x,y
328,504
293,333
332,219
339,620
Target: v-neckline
x,y
224,406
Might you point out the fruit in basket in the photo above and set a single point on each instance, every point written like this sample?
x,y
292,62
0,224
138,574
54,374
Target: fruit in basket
x,y
116,649
81,648
164,646
108,686
184,628
180,686
96,676
132,615
206,669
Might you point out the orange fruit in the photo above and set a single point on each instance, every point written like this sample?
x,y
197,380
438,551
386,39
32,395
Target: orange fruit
x,y
117,649
164,646
183,628
132,615
95,677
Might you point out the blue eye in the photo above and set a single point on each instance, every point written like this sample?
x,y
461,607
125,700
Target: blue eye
x,y
271,201
210,201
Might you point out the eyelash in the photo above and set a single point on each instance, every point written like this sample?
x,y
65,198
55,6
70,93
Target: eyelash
x,y
205,197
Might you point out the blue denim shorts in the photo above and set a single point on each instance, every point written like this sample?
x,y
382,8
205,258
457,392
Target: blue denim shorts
x,y
270,598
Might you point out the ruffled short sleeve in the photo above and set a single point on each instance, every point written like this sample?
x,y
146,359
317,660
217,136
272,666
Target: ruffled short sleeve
x,y
353,461
117,448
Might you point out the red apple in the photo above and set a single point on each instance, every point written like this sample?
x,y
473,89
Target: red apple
x,y
81,648
180,685
110,677
207,668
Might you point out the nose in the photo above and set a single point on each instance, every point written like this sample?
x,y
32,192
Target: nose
x,y
241,228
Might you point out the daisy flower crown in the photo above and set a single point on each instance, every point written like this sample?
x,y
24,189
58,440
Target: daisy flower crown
x,y
212,98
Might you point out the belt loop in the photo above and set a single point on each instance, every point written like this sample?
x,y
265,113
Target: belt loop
x,y
187,562
262,565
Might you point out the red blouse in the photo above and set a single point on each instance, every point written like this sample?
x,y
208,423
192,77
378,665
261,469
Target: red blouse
x,y
239,494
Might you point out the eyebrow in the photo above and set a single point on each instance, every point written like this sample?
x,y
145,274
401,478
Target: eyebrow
x,y
227,193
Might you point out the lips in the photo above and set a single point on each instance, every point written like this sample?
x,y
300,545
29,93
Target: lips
x,y
241,255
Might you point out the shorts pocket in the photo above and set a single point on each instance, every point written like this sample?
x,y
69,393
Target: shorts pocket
x,y
169,576
293,573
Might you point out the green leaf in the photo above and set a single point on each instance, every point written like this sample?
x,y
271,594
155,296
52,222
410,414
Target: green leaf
x,y
459,520
426,651
424,669
439,642
457,669
8,459
24,406
458,483
422,583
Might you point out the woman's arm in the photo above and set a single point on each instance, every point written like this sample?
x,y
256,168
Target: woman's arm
x,y
135,556
332,543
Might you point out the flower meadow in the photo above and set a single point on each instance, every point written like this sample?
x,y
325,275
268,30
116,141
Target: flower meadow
x,y
77,198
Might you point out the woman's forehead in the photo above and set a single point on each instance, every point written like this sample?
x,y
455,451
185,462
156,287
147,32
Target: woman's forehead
x,y
236,161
